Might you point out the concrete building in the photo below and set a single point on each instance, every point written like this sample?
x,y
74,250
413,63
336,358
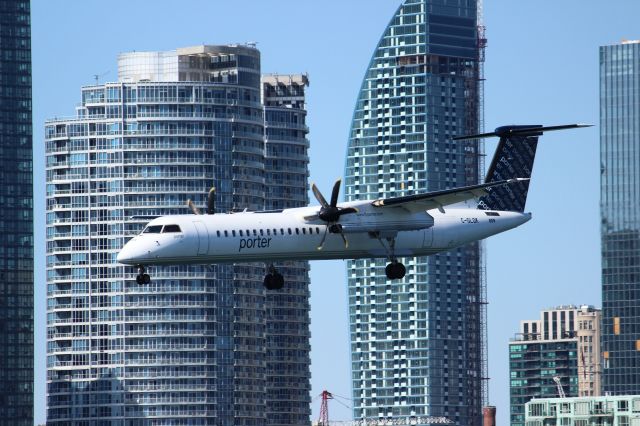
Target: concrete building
x,y
620,219
16,216
200,345
584,411
562,345
417,345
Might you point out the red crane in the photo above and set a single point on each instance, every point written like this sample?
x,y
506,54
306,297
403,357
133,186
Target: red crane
x,y
323,420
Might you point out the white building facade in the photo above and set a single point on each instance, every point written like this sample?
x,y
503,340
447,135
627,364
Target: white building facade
x,y
199,345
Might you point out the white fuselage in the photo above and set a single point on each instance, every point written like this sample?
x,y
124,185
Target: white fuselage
x,y
291,235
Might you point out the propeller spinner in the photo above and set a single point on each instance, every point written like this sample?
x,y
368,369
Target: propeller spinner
x,y
331,213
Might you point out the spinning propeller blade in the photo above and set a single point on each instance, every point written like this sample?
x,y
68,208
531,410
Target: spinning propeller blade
x,y
330,213
319,196
193,207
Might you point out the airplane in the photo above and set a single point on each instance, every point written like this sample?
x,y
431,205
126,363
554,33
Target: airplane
x,y
418,224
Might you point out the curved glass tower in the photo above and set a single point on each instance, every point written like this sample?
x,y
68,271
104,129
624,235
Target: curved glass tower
x,y
199,345
416,343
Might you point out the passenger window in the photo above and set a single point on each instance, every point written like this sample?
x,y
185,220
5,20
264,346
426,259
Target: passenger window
x,y
240,233
304,231
155,229
218,234
261,233
281,231
248,233
275,231
289,231
297,231
310,231
226,233
317,230
255,233
233,232
268,231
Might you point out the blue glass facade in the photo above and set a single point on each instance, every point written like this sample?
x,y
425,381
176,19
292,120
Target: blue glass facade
x,y
200,345
16,216
287,173
416,343
620,225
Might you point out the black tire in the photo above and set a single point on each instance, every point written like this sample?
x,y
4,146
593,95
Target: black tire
x,y
395,271
146,279
268,282
390,270
278,281
139,279
401,271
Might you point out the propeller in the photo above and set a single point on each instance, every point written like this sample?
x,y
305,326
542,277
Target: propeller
x,y
331,213
211,203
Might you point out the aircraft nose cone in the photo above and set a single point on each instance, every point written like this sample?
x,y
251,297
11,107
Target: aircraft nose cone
x,y
124,256
130,254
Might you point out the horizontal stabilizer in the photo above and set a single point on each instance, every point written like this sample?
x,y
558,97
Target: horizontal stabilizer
x,y
514,157
506,131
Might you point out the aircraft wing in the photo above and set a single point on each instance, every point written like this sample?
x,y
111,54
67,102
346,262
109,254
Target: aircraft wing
x,y
439,199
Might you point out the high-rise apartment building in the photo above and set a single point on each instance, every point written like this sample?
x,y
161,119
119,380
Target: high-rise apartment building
x,y
620,218
417,343
286,180
16,216
562,346
199,345
584,411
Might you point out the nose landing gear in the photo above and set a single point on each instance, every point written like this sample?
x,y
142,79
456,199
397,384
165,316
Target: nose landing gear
x,y
273,280
142,277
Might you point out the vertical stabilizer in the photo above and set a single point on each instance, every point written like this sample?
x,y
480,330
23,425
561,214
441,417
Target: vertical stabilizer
x,y
513,159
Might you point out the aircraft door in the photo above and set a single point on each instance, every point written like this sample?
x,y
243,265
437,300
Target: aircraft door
x,y
428,237
203,238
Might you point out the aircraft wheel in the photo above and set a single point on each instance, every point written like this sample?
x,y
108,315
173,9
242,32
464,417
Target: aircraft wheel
x,y
278,281
273,281
139,279
146,279
268,282
395,270
400,270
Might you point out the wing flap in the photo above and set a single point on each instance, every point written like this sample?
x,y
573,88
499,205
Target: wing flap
x,y
439,199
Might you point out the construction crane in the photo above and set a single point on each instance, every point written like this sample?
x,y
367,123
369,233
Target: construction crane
x,y
323,418
561,393
397,421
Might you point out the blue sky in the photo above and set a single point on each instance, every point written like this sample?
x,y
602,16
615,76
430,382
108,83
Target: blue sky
x,y
541,68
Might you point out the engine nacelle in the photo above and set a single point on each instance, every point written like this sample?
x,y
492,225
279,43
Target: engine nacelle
x,y
390,219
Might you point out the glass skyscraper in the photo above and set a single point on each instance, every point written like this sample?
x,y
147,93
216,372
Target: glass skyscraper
x,y
417,343
199,345
620,217
16,216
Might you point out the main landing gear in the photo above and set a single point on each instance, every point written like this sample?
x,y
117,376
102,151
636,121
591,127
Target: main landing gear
x,y
395,270
273,280
142,277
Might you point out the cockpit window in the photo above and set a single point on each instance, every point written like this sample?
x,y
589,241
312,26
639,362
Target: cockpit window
x,y
171,228
154,229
